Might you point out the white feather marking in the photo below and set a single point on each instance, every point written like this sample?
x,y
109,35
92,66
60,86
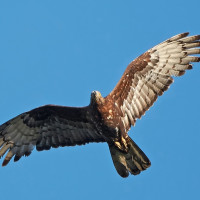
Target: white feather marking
x,y
127,111
189,59
126,121
191,45
129,107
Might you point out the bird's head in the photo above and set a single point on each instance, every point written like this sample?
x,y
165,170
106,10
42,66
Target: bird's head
x,y
97,98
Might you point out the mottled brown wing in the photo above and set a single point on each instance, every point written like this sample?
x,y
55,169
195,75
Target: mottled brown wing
x,y
149,75
46,127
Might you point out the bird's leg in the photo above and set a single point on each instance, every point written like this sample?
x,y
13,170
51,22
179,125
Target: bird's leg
x,y
122,144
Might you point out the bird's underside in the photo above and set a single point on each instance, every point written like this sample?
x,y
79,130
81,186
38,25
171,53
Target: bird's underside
x,y
105,119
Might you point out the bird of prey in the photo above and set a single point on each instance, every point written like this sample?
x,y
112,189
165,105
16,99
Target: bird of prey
x,y
105,119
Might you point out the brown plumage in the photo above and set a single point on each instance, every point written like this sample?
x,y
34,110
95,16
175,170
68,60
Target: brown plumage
x,y
105,119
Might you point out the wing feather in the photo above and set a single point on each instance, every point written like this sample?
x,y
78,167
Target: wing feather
x,y
150,75
46,127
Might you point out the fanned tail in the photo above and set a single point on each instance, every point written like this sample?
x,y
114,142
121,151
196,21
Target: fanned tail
x,y
133,161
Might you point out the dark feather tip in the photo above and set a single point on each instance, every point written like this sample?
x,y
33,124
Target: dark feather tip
x,y
5,162
16,158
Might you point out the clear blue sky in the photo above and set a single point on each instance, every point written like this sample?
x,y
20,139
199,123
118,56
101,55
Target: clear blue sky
x,y
57,52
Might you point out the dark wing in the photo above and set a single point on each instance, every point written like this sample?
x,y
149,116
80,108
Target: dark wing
x,y
149,75
46,127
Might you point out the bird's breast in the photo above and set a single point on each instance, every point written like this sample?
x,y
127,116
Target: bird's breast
x,y
107,122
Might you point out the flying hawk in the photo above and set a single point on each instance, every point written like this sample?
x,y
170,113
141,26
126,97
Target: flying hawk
x,y
105,119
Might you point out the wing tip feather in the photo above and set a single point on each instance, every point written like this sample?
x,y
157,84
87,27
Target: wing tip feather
x,y
185,34
5,162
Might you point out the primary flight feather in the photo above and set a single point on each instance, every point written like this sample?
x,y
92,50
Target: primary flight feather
x,y
105,119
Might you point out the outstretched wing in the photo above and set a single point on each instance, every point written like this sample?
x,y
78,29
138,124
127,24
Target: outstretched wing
x,y
46,127
149,75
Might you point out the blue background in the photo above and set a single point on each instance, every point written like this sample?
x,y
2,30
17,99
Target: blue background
x,y
57,52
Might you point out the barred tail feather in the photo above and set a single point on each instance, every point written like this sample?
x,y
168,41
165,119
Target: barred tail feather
x,y
133,161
